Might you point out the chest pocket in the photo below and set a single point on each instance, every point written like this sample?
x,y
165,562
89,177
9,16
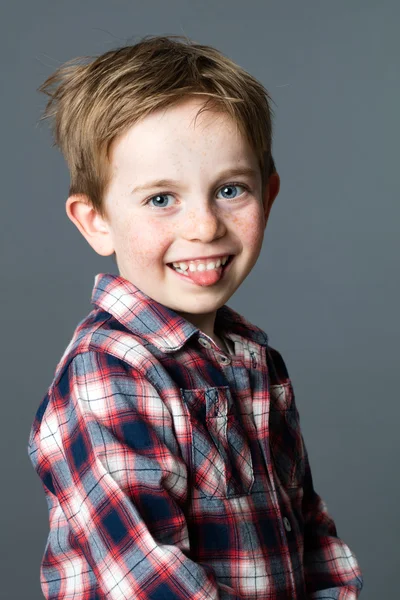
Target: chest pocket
x,y
222,465
285,437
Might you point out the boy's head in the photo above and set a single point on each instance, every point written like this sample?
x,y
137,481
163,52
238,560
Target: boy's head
x,y
167,109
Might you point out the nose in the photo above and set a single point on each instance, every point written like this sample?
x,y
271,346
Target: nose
x,y
203,222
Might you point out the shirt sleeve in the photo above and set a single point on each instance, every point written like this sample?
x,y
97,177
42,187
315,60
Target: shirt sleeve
x,y
330,567
116,487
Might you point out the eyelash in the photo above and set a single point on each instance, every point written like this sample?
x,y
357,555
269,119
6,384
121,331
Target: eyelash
x,y
165,193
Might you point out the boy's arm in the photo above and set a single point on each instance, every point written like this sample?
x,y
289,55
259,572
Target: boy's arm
x,y
330,568
117,483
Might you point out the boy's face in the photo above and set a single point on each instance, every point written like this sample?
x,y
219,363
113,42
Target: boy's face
x,y
201,214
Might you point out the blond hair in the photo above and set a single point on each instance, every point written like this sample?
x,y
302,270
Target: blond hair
x,y
91,103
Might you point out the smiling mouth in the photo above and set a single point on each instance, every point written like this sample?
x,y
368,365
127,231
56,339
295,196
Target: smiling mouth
x,y
222,267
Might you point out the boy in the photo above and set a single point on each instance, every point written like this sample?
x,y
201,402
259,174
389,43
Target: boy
x,y
168,443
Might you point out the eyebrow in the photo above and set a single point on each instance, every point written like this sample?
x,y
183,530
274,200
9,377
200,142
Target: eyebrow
x,y
235,171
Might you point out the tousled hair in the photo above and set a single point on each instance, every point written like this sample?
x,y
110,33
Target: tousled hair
x,y
92,102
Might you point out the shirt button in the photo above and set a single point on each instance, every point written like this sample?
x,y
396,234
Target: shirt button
x,y
204,343
224,360
287,524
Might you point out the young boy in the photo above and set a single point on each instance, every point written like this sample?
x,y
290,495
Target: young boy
x,y
168,443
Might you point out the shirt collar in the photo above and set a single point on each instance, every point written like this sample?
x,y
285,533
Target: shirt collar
x,y
158,324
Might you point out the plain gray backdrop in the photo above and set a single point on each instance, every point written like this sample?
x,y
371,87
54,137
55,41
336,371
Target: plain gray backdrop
x,y
325,287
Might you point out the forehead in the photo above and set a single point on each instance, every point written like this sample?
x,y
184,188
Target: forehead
x,y
180,134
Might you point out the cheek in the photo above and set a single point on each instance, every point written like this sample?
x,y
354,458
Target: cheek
x,y
144,246
249,226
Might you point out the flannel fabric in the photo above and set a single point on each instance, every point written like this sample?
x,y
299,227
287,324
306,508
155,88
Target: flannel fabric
x,y
174,470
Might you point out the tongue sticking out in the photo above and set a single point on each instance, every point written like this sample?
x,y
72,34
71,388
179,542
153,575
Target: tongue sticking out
x,y
205,277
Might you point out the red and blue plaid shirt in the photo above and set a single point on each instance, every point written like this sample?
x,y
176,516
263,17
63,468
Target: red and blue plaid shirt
x,y
174,470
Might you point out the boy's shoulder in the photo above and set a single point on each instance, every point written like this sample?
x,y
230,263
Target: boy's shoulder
x,y
127,333
130,326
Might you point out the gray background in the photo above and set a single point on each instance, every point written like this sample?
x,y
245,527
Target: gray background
x,y
325,287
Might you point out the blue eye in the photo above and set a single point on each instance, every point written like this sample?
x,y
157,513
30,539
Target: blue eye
x,y
223,188
158,196
233,185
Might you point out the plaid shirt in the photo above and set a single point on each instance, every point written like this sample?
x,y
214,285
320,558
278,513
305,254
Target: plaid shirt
x,y
173,470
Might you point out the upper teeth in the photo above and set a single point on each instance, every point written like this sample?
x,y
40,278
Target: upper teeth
x,y
201,266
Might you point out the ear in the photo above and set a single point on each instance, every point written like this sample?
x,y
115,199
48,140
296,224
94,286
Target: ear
x,y
92,226
270,192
